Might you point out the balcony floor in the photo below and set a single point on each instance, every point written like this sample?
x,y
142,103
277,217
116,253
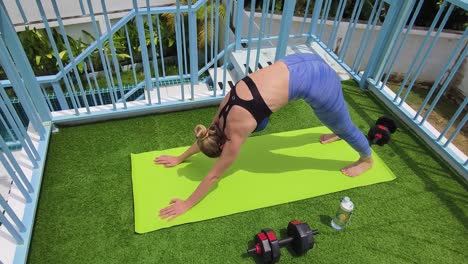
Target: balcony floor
x,y
85,213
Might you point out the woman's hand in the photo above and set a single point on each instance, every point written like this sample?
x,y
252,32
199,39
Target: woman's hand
x,y
176,208
167,161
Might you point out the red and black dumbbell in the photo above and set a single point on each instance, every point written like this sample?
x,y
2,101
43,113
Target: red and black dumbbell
x,y
267,246
382,131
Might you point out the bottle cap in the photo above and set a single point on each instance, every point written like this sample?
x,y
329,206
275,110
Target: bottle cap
x,y
346,204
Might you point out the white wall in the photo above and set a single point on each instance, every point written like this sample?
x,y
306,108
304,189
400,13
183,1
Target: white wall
x,y
71,8
71,13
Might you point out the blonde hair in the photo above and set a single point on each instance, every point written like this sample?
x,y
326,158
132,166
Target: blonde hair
x,y
210,140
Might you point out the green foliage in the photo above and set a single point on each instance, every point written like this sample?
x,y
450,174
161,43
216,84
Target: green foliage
x,y
169,19
44,60
39,50
2,74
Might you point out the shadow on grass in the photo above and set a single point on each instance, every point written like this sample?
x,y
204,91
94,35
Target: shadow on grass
x,y
421,170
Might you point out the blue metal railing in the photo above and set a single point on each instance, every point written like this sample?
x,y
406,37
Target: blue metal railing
x,y
211,43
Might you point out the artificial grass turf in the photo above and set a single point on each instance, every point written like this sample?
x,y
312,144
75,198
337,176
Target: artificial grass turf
x,y
271,169
85,213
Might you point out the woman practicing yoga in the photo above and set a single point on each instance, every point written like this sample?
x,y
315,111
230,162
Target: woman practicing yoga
x,y
246,109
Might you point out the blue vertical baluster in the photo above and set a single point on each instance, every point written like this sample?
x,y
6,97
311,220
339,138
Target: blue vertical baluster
x,y
403,41
184,43
314,20
420,50
153,51
19,87
193,46
10,228
399,21
46,96
112,89
96,84
226,42
114,55
323,23
144,51
10,43
460,110
215,79
180,64
60,96
288,14
351,28
18,177
262,28
129,46
212,28
73,96
10,212
83,11
102,55
72,85
89,84
249,36
336,23
457,130
386,39
426,55
306,12
270,21
367,39
161,51
206,33
70,54
239,23
7,127
441,91
21,10
434,87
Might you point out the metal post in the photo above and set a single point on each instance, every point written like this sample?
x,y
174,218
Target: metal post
x,y
398,13
144,51
8,34
193,44
314,19
286,21
239,24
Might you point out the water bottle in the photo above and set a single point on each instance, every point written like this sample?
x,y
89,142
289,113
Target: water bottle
x,y
343,214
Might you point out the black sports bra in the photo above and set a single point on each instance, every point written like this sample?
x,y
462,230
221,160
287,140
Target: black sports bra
x,y
257,106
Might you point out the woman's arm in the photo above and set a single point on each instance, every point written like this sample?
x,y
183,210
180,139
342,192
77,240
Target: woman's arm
x,y
228,156
194,149
170,161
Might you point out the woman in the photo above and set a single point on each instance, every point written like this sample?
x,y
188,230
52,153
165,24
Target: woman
x,y
248,105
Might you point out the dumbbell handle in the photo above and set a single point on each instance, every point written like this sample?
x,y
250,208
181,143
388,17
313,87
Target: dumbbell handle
x,y
282,242
286,241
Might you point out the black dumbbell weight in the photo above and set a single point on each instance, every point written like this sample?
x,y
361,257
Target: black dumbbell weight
x,y
302,237
267,246
382,131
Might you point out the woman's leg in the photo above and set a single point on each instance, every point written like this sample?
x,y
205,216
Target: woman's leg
x,y
339,122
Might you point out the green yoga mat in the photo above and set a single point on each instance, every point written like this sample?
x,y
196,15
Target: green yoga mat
x,y
270,170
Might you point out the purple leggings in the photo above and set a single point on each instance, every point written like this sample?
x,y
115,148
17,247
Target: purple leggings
x,y
312,79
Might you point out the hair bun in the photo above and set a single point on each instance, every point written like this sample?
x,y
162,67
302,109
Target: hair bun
x,y
201,132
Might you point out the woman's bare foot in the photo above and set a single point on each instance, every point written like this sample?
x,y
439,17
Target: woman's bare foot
x,y
358,167
328,138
